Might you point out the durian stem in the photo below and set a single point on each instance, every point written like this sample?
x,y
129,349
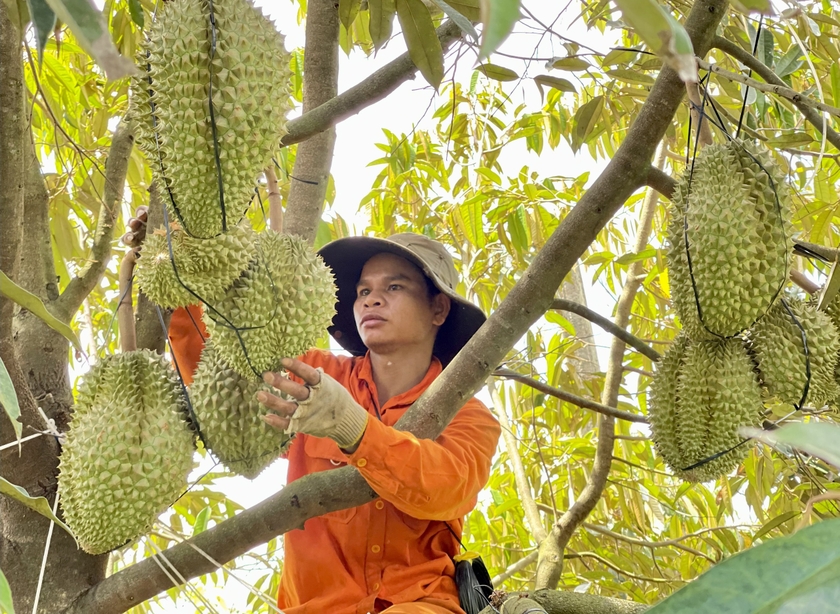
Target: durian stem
x,y
799,278
275,201
125,310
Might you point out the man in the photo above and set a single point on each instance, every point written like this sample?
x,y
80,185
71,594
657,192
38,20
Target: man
x,y
401,318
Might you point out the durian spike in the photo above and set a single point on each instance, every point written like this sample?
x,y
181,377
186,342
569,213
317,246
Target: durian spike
x,y
275,202
125,310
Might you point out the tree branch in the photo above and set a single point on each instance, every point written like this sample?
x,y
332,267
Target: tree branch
x,y
662,182
780,90
275,201
151,335
116,167
763,71
568,397
373,89
344,488
550,563
515,568
313,159
606,324
568,602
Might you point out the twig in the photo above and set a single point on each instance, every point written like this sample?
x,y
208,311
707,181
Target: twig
x,y
125,310
606,324
515,568
592,555
701,125
569,397
799,278
763,71
275,201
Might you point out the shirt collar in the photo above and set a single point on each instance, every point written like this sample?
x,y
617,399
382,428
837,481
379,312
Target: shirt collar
x,y
365,374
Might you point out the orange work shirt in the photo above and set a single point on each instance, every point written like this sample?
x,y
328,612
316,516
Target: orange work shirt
x,y
397,548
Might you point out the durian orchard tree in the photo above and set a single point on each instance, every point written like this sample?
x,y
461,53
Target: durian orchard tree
x,y
580,503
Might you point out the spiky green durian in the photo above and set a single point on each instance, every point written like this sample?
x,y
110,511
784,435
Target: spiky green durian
x,y
778,345
128,450
736,217
703,392
249,74
229,417
281,305
208,267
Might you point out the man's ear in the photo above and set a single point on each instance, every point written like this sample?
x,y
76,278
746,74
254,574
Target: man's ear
x,y
441,304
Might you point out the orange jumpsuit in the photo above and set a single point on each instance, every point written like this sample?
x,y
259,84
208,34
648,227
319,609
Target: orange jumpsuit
x,y
397,548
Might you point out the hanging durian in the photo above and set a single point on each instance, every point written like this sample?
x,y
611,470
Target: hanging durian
x,y
703,392
250,76
229,417
777,340
208,267
128,450
280,306
735,215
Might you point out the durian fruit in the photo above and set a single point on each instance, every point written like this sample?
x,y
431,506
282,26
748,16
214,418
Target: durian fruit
x,y
777,343
281,305
703,392
128,450
229,417
739,240
207,266
249,73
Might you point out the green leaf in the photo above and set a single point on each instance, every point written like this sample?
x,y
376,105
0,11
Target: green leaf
x,y
200,524
794,138
498,18
816,438
471,9
381,20
422,41
499,73
799,573
136,10
37,504
835,82
91,32
571,64
6,605
564,85
650,252
774,523
631,76
662,33
29,301
347,11
791,61
9,400
460,21
585,119
752,6
43,20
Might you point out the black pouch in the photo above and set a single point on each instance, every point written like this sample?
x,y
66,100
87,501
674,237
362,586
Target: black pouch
x,y
472,579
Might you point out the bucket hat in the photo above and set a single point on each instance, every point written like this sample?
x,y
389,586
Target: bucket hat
x,y
347,256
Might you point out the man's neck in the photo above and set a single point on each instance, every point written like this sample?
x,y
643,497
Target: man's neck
x,y
398,372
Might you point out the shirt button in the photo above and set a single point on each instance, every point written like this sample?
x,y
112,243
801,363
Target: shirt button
x,y
380,505
362,462
375,549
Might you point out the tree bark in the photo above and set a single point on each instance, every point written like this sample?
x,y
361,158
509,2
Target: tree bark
x,y
314,156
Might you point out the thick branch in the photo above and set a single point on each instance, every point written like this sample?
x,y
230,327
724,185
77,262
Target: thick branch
x,y
568,602
609,326
568,397
525,304
662,182
763,71
373,89
116,167
313,158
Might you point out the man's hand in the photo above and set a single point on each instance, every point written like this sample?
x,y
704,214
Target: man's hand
x,y
323,407
137,228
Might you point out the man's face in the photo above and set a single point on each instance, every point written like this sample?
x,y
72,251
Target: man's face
x,y
392,309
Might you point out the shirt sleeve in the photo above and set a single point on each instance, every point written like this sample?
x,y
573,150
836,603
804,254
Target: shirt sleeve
x,y
186,336
430,480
